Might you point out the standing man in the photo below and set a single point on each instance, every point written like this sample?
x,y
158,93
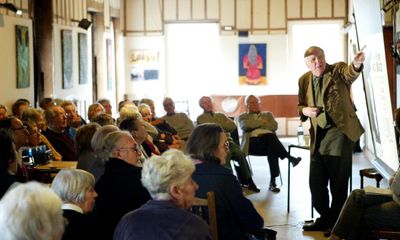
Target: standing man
x,y
324,97
209,116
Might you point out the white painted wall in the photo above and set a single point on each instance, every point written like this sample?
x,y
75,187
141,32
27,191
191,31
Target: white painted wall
x,y
226,82
8,63
81,92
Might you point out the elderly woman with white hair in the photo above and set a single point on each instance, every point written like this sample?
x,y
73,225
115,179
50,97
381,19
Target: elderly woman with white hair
x,y
31,211
168,178
75,187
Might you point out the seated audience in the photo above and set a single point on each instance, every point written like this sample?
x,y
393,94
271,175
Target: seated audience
x,y
130,110
84,136
168,178
365,211
46,102
19,135
31,211
103,119
96,165
259,133
179,121
167,136
19,106
236,216
75,187
209,116
37,116
3,112
8,163
57,135
120,190
106,105
94,109
73,118
135,127
150,102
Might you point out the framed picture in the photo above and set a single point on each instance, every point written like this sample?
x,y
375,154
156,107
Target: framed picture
x,y
110,64
144,65
22,46
66,57
252,64
83,58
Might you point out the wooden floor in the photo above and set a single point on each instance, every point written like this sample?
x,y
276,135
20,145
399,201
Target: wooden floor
x,y
273,206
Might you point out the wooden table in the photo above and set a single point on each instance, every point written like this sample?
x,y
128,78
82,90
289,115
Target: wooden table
x,y
55,166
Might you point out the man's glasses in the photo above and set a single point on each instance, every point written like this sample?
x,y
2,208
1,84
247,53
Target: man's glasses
x,y
135,148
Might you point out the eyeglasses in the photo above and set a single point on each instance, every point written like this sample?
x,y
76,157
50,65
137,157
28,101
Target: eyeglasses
x,y
135,148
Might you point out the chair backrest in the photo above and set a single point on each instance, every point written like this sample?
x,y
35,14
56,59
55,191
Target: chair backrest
x,y
206,209
384,234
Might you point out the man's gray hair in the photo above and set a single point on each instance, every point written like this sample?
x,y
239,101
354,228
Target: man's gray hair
x,y
159,173
113,141
71,184
97,142
31,211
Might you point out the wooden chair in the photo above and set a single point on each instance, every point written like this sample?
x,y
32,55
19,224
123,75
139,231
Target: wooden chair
x,y
382,234
206,209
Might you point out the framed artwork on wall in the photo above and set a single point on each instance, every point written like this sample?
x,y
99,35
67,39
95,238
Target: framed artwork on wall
x,y
22,47
83,58
66,57
144,65
252,64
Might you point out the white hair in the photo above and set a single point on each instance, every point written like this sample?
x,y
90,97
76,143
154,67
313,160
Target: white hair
x,y
159,173
71,185
31,211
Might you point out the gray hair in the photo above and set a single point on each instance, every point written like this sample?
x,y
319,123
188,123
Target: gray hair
x,y
71,184
113,141
31,211
97,142
159,173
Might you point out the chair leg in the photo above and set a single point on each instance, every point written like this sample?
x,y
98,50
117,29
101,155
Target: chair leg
x,y
251,168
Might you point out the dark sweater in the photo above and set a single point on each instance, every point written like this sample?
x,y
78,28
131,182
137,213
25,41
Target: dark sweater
x,y
63,143
119,192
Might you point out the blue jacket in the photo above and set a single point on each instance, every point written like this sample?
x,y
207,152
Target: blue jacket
x,y
161,220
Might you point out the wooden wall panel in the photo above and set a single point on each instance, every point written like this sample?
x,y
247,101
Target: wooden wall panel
x,y
243,14
340,8
293,8
170,8
260,14
135,15
153,18
227,13
278,14
256,16
324,8
212,10
308,9
279,105
184,10
198,8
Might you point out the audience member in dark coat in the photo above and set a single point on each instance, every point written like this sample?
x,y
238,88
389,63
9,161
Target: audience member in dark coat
x,y
236,216
120,190
8,163
75,188
57,123
168,178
